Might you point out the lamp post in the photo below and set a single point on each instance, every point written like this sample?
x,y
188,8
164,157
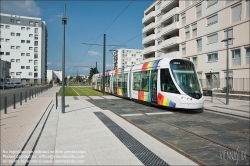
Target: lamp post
x,y
227,70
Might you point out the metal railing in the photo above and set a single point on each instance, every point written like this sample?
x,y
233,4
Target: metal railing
x,y
235,84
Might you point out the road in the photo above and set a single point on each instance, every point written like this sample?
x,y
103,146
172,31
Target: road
x,y
25,91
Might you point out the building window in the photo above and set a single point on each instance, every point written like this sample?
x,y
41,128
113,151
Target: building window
x,y
248,55
30,48
30,60
36,43
7,53
7,26
36,37
187,32
1,39
194,29
27,54
12,34
36,49
18,21
198,11
183,48
7,40
236,60
22,67
36,30
212,57
35,55
27,41
247,8
22,28
28,28
230,35
27,67
30,35
12,60
211,3
31,22
36,24
212,20
36,68
22,41
18,60
12,73
30,73
18,34
212,38
12,20
36,62
18,47
35,75
22,54
1,53
236,13
183,18
199,45
12,47
2,26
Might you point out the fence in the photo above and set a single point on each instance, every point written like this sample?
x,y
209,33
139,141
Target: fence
x,y
235,84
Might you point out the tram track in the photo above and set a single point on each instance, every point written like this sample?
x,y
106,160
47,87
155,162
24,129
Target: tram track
x,y
178,127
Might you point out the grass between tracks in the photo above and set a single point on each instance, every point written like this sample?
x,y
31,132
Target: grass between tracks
x,y
82,91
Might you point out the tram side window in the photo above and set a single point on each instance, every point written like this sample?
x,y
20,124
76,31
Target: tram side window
x,y
120,81
167,84
107,79
144,80
136,80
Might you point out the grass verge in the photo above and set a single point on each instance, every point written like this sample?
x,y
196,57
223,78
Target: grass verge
x,y
82,91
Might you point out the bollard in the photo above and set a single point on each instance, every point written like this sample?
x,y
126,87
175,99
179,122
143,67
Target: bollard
x,y
25,96
21,98
35,92
29,94
56,100
5,104
32,93
14,101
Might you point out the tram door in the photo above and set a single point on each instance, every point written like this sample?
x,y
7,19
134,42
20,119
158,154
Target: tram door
x,y
153,86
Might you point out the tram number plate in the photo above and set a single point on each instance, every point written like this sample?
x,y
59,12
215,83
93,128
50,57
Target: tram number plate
x,y
207,93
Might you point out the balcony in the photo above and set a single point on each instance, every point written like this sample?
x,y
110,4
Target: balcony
x,y
148,38
170,28
170,14
164,4
174,54
170,42
148,27
149,50
148,17
149,59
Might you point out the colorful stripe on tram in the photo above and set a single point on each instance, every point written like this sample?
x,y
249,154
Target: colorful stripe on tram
x,y
162,100
150,65
144,96
119,71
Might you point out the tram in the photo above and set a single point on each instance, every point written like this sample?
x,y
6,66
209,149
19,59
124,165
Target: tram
x,y
168,82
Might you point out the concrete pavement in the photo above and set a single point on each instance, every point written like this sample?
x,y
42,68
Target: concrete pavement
x,y
81,137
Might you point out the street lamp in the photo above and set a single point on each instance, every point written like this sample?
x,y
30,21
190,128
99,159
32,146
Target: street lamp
x,y
227,77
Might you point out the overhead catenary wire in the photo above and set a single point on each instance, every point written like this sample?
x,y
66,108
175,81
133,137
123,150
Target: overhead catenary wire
x,y
106,29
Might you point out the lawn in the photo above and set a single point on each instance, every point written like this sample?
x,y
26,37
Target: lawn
x,y
82,91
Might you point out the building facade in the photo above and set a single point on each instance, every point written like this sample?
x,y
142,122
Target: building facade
x,y
196,30
126,57
24,44
4,71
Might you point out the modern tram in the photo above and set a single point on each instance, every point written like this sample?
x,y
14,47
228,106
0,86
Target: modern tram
x,y
168,82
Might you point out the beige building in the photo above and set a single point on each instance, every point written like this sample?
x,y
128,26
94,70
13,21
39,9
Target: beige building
x,y
195,30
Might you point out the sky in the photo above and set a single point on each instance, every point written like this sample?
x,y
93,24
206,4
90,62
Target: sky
x,y
87,21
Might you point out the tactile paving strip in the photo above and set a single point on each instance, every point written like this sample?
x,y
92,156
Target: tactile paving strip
x,y
146,156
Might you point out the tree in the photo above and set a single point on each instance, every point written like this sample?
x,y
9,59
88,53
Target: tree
x,y
92,72
78,79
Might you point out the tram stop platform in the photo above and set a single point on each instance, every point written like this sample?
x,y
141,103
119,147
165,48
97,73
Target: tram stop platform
x,y
38,133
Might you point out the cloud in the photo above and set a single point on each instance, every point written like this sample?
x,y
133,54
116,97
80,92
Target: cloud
x,y
59,15
109,65
23,8
49,63
93,53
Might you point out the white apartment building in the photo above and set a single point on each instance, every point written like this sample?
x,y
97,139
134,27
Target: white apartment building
x,y
52,75
126,57
195,30
24,44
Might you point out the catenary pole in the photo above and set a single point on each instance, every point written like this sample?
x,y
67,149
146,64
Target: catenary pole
x,y
64,22
104,57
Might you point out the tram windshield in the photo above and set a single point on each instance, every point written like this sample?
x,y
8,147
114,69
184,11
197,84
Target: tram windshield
x,y
185,75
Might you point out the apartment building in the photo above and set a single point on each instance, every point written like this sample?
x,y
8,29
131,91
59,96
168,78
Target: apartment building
x,y
52,75
24,44
126,57
197,30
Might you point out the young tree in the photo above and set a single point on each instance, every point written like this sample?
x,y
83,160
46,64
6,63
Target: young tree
x,y
92,72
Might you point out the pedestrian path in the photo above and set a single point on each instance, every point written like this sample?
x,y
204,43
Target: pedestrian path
x,y
84,134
